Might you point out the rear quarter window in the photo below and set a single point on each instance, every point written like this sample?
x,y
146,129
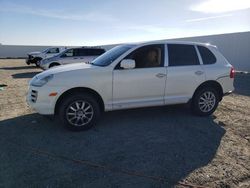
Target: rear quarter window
x,y
207,56
182,55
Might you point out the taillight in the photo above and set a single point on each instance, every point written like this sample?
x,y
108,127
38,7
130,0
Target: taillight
x,y
232,73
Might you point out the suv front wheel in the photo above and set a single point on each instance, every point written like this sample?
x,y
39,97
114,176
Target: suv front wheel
x,y
79,112
205,101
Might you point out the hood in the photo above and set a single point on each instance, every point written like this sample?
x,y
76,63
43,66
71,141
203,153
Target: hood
x,y
34,53
65,68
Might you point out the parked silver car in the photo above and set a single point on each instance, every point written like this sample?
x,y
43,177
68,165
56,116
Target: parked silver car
x,y
72,55
35,57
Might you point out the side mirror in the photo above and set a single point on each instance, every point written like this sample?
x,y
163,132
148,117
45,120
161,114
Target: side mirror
x,y
128,63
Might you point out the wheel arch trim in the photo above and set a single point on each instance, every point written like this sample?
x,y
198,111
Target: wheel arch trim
x,y
211,83
78,90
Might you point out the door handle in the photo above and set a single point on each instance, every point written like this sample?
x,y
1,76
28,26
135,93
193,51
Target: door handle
x,y
75,58
160,75
199,73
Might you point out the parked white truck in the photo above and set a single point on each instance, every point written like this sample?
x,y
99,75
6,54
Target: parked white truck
x,y
35,57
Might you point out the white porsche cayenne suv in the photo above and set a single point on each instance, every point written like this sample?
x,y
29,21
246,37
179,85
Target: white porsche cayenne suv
x,y
133,76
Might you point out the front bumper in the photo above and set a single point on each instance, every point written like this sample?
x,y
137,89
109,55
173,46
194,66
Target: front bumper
x,y
30,60
38,99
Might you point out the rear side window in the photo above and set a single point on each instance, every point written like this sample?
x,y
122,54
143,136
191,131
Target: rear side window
x,y
182,55
206,55
79,52
94,52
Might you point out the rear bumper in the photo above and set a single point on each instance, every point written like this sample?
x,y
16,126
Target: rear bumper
x,y
227,84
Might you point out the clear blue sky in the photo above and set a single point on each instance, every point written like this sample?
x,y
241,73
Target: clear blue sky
x,y
96,22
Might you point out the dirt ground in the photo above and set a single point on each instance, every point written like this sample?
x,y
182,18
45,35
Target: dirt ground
x,y
153,147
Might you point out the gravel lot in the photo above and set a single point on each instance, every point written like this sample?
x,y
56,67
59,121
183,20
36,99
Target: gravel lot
x,y
153,147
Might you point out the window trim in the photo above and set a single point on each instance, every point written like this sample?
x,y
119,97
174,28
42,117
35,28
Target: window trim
x,y
199,55
166,63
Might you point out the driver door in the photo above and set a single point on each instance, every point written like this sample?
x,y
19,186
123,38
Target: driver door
x,y
143,85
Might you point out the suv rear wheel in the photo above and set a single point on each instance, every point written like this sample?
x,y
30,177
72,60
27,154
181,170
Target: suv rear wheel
x,y
79,112
205,101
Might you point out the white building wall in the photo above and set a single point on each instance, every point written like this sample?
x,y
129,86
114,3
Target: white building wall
x,y
12,51
235,47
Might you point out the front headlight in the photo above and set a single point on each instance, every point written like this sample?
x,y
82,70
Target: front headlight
x,y
39,82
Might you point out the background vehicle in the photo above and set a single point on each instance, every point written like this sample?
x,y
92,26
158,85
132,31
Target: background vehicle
x,y
35,57
132,76
73,55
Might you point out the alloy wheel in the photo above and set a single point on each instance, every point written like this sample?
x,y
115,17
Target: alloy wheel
x,y
79,113
207,101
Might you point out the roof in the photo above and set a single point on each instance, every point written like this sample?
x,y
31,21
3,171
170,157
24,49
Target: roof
x,y
171,42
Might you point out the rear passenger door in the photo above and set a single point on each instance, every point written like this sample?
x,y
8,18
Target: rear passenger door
x,y
184,73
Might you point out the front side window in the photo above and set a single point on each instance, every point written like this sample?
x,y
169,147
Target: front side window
x,y
148,56
53,51
206,55
182,55
68,53
111,55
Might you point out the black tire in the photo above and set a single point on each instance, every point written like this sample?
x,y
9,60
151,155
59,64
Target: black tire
x,y
70,101
36,60
53,65
202,107
36,63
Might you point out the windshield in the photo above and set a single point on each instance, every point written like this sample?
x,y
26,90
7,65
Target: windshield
x,y
45,50
111,55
